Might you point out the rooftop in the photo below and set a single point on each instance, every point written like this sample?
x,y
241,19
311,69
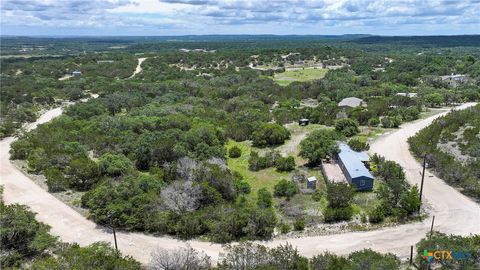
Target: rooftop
x,y
353,161
350,102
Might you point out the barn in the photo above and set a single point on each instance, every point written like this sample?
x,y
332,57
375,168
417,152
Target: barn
x,y
354,169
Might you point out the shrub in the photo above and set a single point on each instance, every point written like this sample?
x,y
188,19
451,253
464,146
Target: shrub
x,y
299,224
376,215
337,214
55,180
285,164
373,122
114,165
257,162
358,145
391,121
285,228
264,198
347,127
285,188
339,195
270,134
235,152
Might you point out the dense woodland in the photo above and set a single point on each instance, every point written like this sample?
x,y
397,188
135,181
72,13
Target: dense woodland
x,y
149,154
462,128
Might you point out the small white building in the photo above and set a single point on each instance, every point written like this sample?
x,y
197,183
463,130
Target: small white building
x,y
76,73
312,182
410,95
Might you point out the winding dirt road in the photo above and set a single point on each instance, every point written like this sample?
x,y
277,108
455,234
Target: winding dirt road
x,y
454,213
138,69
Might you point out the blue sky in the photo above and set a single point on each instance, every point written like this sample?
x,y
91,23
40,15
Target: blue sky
x,y
185,17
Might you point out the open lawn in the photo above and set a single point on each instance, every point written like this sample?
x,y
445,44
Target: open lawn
x,y
266,178
300,75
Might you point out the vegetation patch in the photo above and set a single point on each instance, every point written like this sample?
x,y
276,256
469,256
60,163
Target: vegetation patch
x,y
299,75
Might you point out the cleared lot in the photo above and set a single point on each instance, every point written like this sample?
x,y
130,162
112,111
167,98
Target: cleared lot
x,y
333,172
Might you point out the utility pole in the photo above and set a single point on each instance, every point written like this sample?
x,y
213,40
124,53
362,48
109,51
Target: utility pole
x,y
431,228
421,185
411,255
115,238
110,215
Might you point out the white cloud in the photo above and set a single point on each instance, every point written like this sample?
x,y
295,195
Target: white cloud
x,y
247,16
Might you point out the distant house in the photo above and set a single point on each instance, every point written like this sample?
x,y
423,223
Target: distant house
x,y
353,167
454,79
410,95
350,102
312,182
76,73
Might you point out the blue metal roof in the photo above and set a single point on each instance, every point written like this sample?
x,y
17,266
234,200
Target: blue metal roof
x,y
353,161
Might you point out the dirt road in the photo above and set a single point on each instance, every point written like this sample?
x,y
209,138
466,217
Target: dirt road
x,y
454,213
138,69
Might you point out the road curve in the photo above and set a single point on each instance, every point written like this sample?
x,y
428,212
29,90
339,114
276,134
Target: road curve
x,y
454,212
138,69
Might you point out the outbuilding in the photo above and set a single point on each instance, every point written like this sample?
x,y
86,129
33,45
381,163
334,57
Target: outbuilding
x,y
353,167
303,122
76,73
312,182
351,102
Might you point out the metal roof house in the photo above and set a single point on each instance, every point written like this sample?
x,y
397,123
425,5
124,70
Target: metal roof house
x,y
350,102
354,169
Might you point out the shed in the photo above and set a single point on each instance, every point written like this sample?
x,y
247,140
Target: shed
x,y
354,169
76,73
312,182
303,122
351,102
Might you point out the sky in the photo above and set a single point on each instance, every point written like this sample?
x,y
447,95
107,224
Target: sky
x,y
201,17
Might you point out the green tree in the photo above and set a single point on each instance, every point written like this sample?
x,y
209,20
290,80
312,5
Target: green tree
x,y
285,164
99,255
270,134
83,173
434,99
339,195
318,145
21,235
410,201
56,181
369,259
114,165
264,198
285,188
358,145
348,127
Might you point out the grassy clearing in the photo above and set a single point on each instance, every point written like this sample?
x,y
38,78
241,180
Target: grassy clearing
x,y
370,133
300,75
266,178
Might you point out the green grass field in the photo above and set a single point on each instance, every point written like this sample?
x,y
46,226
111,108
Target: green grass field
x,y
266,178
301,75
